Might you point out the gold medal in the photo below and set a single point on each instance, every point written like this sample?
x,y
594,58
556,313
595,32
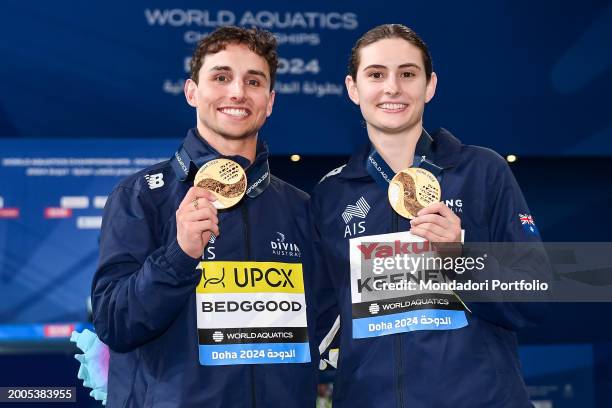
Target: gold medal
x,y
225,179
413,189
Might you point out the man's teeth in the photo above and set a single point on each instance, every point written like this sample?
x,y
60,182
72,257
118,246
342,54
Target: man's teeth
x,y
392,105
235,112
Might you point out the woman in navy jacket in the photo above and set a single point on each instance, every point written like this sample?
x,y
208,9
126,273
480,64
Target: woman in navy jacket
x,y
423,349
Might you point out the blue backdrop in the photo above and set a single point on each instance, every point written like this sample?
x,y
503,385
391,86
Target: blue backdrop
x,y
51,201
519,76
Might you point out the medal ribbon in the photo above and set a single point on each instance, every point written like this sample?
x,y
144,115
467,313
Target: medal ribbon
x,y
383,174
258,175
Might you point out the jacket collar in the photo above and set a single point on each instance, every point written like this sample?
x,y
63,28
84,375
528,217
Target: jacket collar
x,y
195,151
441,147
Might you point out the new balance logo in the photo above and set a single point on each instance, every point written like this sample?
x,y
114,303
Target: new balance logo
x,y
155,180
212,238
359,210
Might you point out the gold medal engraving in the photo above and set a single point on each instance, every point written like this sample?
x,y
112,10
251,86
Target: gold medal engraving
x,y
225,179
413,189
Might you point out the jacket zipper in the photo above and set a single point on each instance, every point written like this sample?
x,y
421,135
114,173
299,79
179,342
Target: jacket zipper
x,y
397,341
247,246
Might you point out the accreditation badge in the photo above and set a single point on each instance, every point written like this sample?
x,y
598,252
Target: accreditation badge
x,y
413,189
251,313
225,179
391,287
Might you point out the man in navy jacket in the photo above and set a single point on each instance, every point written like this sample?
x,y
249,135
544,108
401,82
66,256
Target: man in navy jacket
x,y
411,348
204,307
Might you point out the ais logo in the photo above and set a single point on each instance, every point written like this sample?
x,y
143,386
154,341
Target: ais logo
x,y
209,252
359,210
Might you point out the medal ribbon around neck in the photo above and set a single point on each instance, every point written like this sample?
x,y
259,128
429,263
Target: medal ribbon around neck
x,y
257,175
410,189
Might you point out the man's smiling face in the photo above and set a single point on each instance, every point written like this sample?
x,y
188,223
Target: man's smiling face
x,y
232,97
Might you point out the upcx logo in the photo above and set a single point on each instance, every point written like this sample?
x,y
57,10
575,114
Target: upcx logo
x,y
214,276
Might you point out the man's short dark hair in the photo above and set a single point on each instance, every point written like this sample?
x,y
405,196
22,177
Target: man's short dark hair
x,y
261,42
389,31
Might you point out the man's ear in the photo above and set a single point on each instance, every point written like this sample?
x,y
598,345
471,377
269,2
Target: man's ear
x,y
430,91
351,88
270,104
190,92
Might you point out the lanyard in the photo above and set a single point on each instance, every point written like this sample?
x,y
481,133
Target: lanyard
x,y
258,175
383,174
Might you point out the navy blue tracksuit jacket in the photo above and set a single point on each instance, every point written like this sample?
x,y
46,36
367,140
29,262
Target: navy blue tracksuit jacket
x,y
472,365
226,345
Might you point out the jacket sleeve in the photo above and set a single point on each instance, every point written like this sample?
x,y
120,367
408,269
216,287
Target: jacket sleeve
x,y
515,253
141,284
324,299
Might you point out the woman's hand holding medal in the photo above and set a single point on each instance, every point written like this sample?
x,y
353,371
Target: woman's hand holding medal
x,y
415,193
437,223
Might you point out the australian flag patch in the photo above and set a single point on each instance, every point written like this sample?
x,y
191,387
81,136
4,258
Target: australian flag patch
x,y
528,224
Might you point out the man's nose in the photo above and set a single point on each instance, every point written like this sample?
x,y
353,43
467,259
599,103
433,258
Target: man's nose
x,y
237,90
